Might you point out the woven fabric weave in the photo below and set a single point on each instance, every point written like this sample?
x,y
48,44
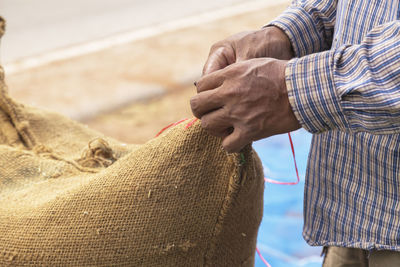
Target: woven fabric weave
x,y
70,196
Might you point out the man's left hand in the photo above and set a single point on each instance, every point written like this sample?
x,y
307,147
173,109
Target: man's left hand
x,y
245,102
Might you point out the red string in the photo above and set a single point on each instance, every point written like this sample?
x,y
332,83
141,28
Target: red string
x,y
262,258
282,183
169,126
191,123
295,166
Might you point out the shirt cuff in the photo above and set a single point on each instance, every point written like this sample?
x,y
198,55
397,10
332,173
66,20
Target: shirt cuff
x,y
312,93
301,30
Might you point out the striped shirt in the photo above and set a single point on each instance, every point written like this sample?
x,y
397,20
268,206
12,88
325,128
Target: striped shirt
x,y
344,87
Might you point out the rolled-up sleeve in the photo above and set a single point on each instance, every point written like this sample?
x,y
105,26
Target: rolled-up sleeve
x,y
309,25
352,88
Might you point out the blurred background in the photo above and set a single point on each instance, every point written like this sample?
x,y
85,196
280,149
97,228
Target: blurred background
x,y
126,68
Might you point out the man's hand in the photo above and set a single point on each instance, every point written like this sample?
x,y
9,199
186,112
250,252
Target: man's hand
x,y
267,42
244,102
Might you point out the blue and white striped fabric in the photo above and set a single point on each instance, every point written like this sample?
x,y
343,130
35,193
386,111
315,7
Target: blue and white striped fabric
x,y
344,87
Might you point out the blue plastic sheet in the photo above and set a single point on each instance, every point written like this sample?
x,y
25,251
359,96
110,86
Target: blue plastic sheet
x,y
280,235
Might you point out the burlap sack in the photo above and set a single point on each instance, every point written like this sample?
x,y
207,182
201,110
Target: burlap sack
x,y
72,197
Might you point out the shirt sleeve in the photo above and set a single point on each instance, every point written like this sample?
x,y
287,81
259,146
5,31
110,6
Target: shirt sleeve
x,y
309,24
352,88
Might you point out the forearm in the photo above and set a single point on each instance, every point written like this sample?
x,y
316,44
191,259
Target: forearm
x,y
352,88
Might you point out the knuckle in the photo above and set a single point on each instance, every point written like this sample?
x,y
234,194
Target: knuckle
x,y
218,45
248,130
199,85
222,51
215,46
231,148
228,113
227,148
205,123
194,104
204,71
230,92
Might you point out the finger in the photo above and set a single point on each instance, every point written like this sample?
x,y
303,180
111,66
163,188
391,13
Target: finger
x,y
219,59
214,62
210,81
217,123
205,102
235,141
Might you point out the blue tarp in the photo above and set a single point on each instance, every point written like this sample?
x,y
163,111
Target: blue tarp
x,y
279,239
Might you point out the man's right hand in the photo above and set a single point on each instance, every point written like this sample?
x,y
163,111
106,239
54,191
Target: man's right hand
x,y
267,42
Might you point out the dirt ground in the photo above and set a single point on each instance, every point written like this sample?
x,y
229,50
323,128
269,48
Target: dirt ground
x,y
171,61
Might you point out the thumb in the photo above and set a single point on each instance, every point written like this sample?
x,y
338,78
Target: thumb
x,y
219,59
235,141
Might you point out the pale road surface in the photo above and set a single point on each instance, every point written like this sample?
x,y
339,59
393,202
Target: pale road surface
x,y
67,57
36,27
101,88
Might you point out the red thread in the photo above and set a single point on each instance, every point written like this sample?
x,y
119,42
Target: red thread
x,y
193,121
282,183
262,258
190,123
295,165
169,126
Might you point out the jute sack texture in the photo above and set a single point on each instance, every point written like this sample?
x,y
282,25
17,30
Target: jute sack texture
x,y
70,196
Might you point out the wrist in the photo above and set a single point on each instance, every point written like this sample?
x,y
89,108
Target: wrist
x,y
290,119
279,45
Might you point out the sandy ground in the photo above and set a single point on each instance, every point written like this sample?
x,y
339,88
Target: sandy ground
x,y
170,62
